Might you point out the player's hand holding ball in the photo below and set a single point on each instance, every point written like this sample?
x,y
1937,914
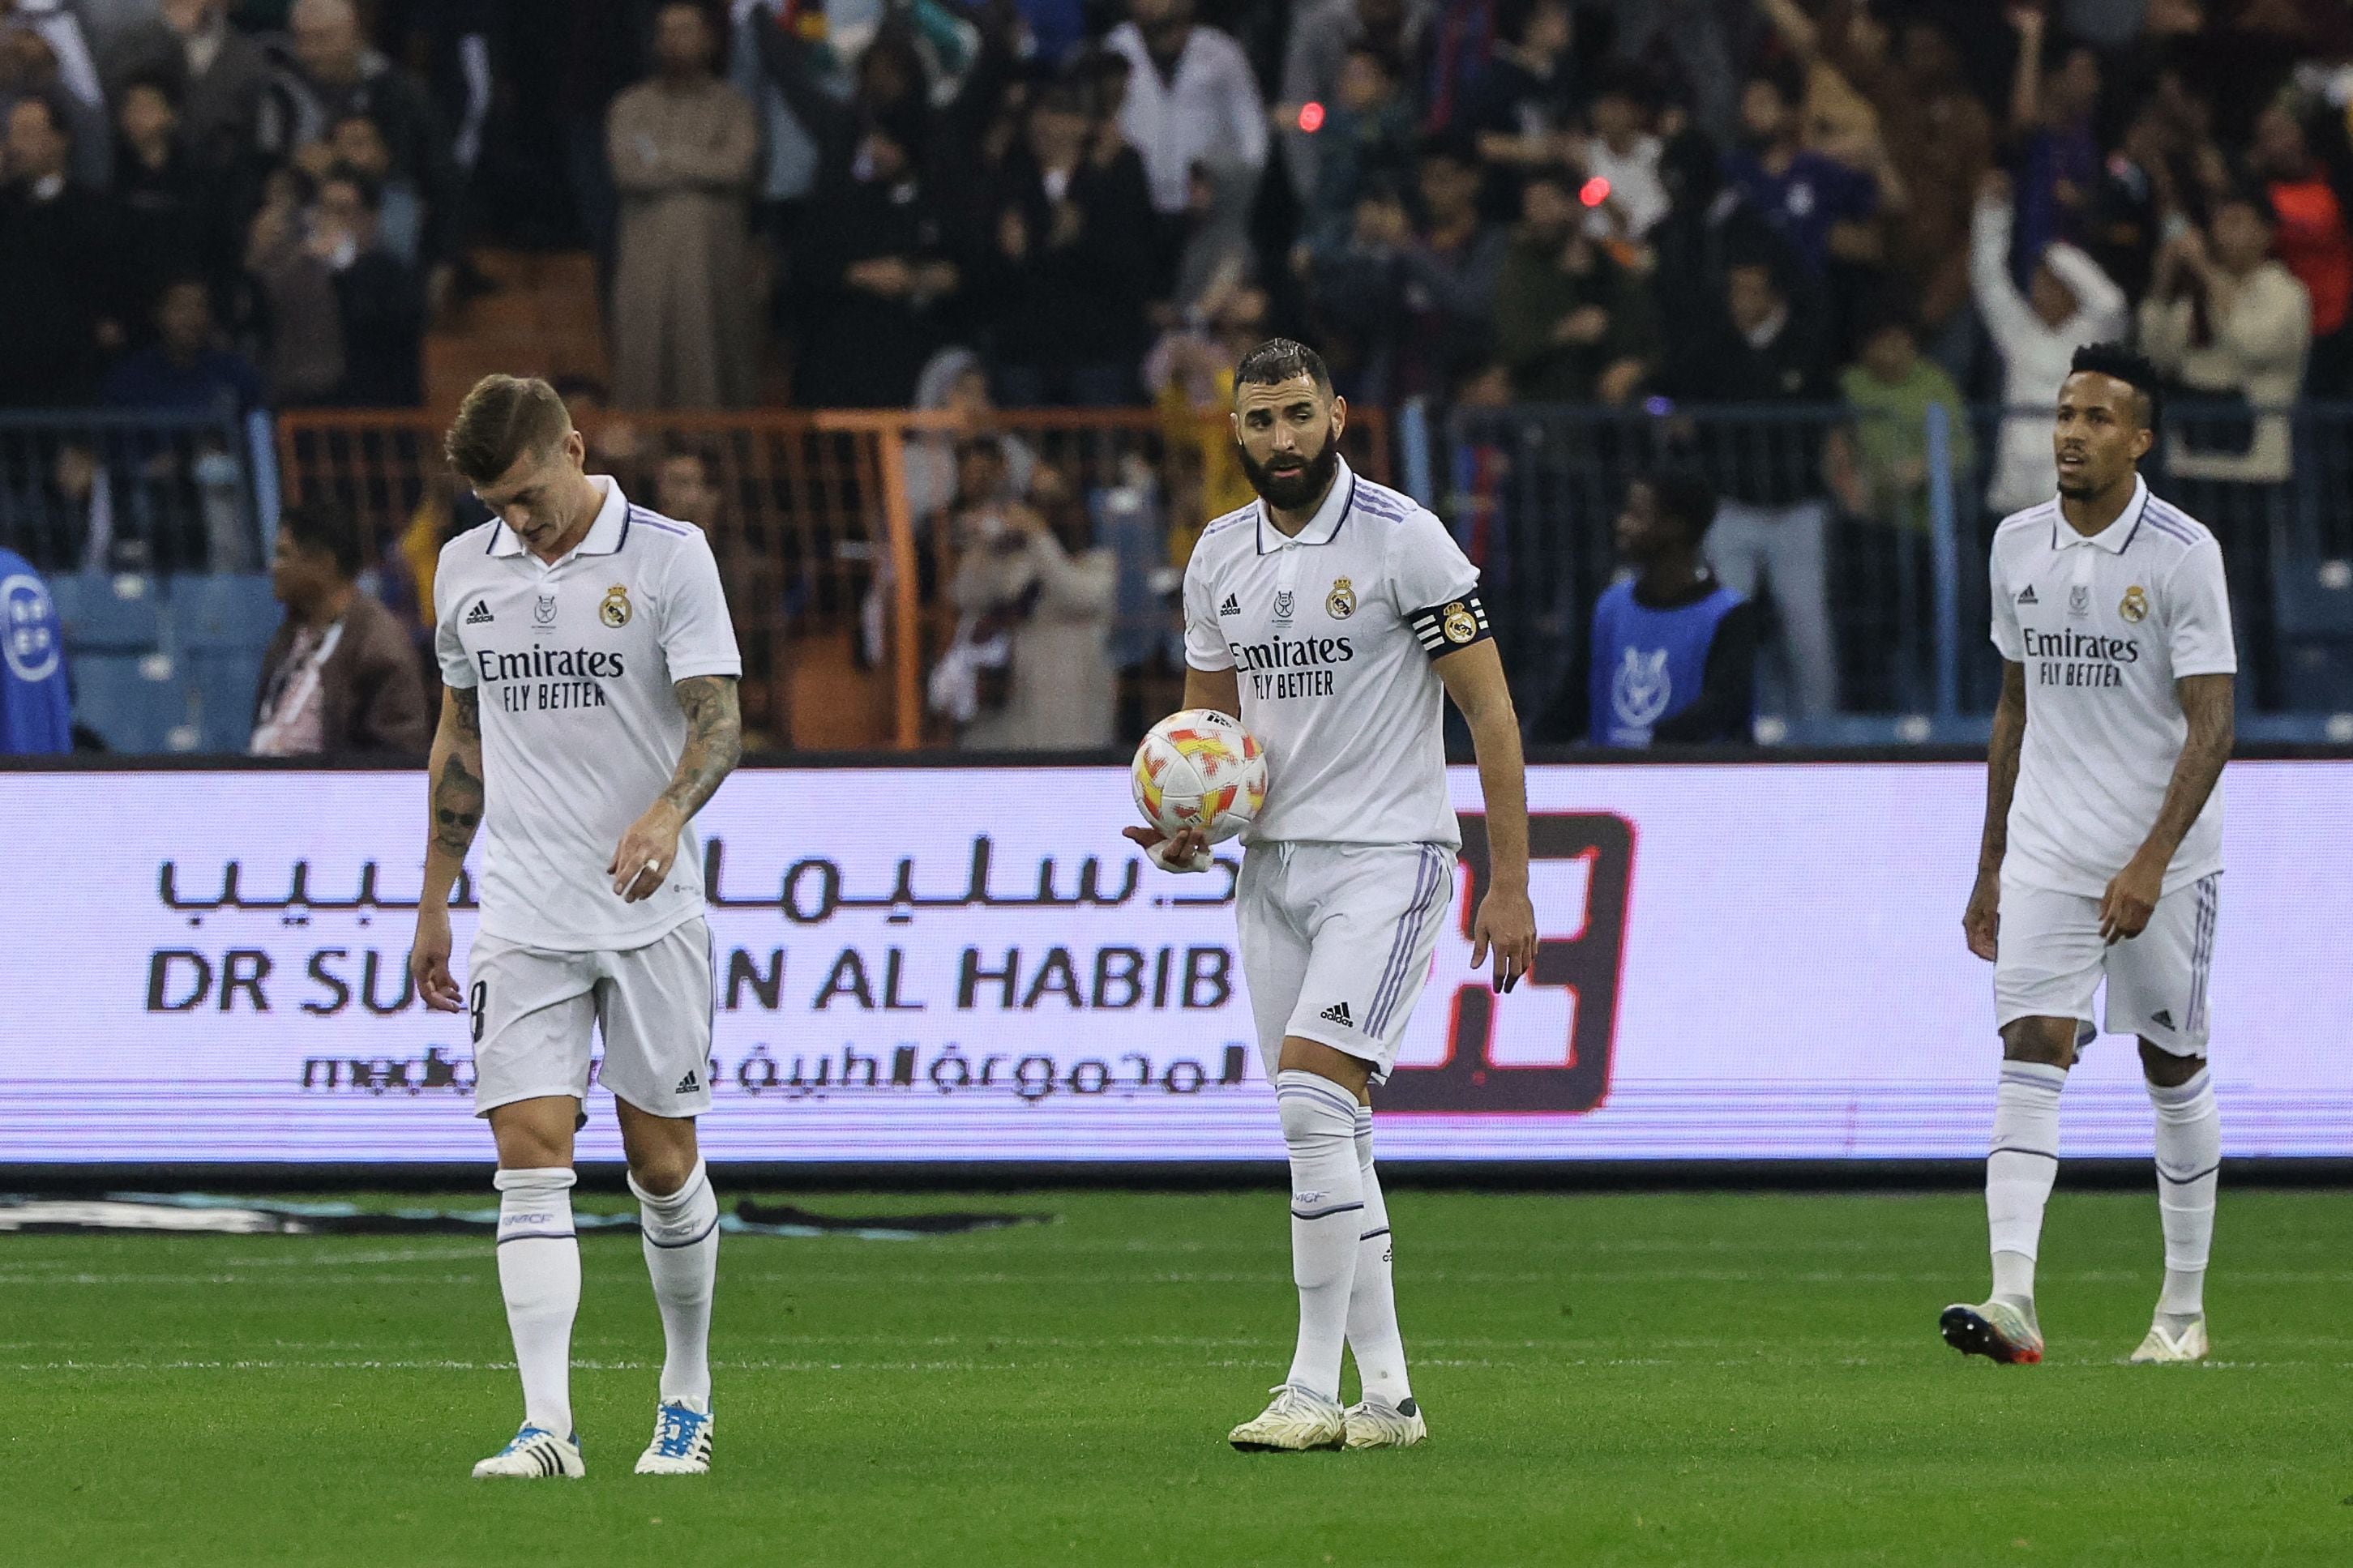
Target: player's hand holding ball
x,y
1200,779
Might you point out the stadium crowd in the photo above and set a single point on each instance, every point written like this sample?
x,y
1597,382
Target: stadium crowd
x,y
1884,204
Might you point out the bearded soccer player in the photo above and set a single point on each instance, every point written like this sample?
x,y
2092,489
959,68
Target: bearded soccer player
x,y
1328,617
590,712
2103,848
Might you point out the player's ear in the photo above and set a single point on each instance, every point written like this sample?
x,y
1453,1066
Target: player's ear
x,y
1339,414
1234,422
2143,441
575,448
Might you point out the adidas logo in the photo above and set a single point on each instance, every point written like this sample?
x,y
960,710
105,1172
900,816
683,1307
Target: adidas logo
x,y
2161,1018
1337,1013
2026,595
1232,606
479,615
688,1084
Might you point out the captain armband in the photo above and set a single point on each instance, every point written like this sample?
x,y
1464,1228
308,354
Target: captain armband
x,y
1456,624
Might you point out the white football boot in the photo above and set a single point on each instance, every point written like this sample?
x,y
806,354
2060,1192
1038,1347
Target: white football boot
x,y
535,1454
1375,1424
1296,1421
2163,1346
1995,1330
682,1444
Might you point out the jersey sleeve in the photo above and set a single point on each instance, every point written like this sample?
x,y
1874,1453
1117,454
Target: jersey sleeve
x,y
1206,647
1435,586
2197,611
2006,635
697,636
448,648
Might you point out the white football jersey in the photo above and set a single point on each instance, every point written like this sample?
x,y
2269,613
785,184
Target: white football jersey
x,y
574,664
2104,626
1332,633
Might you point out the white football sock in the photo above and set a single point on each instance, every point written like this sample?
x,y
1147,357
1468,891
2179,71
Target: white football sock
x,y
2189,1156
539,1273
2019,1171
1372,1303
682,1247
1328,1208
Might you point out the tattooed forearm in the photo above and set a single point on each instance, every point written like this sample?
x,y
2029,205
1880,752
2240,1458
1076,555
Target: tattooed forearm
x,y
2001,767
468,712
456,806
2207,704
714,741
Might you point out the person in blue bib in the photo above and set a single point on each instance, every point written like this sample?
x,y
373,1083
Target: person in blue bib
x,y
34,710
1675,651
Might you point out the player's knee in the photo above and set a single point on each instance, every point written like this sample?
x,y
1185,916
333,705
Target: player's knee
x,y
1319,1116
662,1172
2050,1041
2163,1069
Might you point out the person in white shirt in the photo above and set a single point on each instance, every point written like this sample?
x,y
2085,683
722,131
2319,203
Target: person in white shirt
x,y
1332,617
1191,99
590,711
2102,857
1624,155
2069,302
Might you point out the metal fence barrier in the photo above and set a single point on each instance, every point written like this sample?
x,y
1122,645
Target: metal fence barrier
x,y
123,490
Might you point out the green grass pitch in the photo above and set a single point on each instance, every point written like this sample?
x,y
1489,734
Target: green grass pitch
x,y
1716,1379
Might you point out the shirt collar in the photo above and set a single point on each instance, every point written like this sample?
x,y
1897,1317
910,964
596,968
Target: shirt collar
x,y
2113,537
1321,528
604,537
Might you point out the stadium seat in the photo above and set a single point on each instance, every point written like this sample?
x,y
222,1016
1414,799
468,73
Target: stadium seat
x,y
222,681
2313,602
135,701
108,612
223,612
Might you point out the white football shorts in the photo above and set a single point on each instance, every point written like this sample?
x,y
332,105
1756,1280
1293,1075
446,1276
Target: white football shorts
x,y
1336,941
530,1009
2050,959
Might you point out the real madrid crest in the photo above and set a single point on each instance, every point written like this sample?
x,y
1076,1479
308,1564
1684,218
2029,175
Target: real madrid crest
x,y
1341,601
2135,607
615,610
1458,623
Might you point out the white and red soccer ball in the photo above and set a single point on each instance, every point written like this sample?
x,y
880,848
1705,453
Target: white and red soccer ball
x,y
1199,769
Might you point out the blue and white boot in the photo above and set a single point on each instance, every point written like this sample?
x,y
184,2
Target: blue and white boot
x,y
682,1444
535,1454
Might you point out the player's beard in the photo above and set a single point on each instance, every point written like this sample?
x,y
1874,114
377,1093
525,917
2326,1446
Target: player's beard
x,y
1298,489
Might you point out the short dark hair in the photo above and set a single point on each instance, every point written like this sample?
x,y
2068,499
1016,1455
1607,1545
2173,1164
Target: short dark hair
x,y
325,525
503,418
1278,360
2129,365
2247,194
162,83
1682,492
371,193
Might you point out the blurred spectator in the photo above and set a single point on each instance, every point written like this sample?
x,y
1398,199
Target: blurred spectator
x,y
1071,232
1525,106
2230,323
683,145
300,321
1190,375
954,382
43,54
1215,255
357,142
2069,302
1571,321
1891,387
883,275
1450,270
185,368
685,490
1322,33
1708,223
332,74
216,71
2312,241
1767,347
54,263
1699,39
170,217
1367,143
340,677
35,709
1191,99
2130,205
2051,119
1821,206
1028,670
1356,290
378,306
1623,155
1673,656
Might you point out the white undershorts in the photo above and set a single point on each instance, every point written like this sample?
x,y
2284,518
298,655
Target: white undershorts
x,y
2050,959
1336,941
532,1008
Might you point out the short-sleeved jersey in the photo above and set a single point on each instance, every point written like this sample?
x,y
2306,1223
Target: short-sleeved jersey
x,y
574,665
2104,626
1332,633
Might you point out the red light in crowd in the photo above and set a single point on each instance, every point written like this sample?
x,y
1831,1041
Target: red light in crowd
x,y
1311,118
1594,192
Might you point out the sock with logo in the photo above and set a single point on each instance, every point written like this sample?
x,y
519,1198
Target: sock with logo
x,y
539,1273
2019,1173
2188,1159
682,1247
1373,1334
1327,1210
